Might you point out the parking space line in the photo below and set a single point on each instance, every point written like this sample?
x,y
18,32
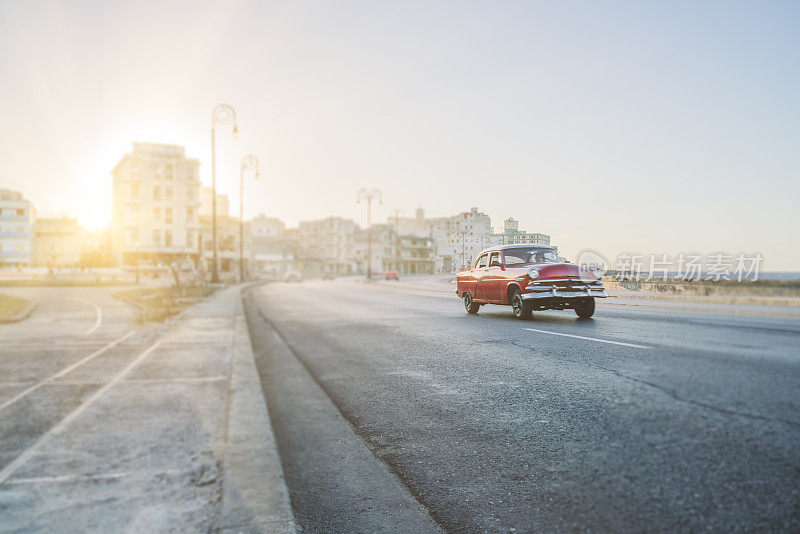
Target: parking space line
x,y
11,468
589,338
96,309
91,478
175,380
64,371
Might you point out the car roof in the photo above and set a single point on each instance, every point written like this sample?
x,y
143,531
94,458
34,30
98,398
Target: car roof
x,y
506,247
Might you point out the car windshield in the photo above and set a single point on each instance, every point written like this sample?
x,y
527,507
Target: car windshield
x,y
519,256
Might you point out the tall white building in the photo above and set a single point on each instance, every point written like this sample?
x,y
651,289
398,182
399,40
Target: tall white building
x,y
16,228
512,235
156,203
457,239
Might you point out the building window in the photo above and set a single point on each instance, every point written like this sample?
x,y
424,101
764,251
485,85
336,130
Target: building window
x,y
157,192
168,215
189,215
135,190
189,238
21,212
168,193
157,237
191,193
168,172
168,238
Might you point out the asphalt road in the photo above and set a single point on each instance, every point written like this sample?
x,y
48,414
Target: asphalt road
x,y
638,419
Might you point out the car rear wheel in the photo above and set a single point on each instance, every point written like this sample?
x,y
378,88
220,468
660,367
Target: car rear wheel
x,y
585,309
470,305
522,309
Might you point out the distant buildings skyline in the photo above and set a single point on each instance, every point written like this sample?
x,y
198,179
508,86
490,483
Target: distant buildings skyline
x,y
162,214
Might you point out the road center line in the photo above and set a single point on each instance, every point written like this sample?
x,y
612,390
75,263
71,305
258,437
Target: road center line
x,y
589,338
11,468
64,371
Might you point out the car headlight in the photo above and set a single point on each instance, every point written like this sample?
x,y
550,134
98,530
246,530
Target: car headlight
x,y
533,273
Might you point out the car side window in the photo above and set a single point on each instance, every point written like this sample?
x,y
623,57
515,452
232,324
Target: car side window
x,y
482,261
513,260
494,260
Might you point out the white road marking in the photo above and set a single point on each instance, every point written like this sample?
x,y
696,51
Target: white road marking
x,y
64,371
96,309
589,338
178,380
90,478
45,348
11,468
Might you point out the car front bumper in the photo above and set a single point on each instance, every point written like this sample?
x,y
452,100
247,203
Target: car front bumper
x,y
563,288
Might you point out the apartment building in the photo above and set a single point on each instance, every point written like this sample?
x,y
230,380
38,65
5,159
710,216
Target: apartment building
x,y
267,227
413,255
457,239
59,242
17,217
326,245
511,235
272,252
382,248
156,204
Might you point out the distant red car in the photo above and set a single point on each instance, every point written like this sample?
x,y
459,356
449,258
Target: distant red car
x,y
528,278
392,275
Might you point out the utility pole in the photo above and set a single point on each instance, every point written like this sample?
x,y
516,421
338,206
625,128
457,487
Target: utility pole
x,y
369,195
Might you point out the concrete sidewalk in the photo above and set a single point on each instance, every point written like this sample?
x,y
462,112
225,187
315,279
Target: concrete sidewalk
x,y
177,438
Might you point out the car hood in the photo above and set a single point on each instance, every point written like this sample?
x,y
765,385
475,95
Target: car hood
x,y
562,270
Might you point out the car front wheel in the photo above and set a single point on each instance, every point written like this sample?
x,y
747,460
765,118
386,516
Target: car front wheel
x,y
470,305
585,309
522,309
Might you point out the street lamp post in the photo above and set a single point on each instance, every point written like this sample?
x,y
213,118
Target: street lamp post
x,y
369,195
222,114
248,162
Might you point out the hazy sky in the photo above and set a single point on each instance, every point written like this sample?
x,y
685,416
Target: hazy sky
x,y
621,126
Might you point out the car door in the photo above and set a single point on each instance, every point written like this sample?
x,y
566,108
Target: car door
x,y
478,273
494,278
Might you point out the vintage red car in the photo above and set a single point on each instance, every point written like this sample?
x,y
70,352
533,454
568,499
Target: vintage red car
x,y
528,278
